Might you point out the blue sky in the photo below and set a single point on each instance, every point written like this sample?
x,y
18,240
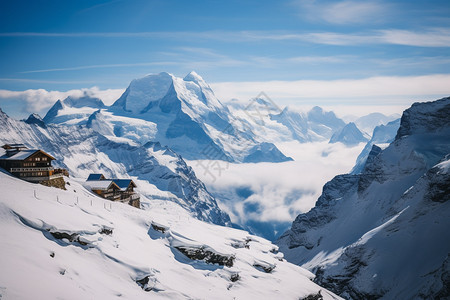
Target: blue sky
x,y
238,46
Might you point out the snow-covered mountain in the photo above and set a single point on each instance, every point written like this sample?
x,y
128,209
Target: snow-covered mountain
x,y
160,172
368,122
182,113
384,233
73,111
73,245
349,135
382,136
35,119
280,125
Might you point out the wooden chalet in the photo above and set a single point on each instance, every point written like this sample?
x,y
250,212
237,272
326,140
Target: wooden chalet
x,y
104,188
114,189
32,165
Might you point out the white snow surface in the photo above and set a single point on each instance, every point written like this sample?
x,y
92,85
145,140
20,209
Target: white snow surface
x,y
55,245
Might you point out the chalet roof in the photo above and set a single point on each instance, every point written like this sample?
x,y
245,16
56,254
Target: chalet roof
x,y
24,154
95,177
101,185
9,146
123,184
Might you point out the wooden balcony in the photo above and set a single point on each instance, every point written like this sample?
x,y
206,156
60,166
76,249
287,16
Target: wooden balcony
x,y
41,178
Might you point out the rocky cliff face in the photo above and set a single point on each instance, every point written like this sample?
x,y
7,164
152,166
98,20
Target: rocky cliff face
x,y
383,233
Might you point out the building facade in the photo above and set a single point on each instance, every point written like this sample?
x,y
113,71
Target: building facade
x,y
32,165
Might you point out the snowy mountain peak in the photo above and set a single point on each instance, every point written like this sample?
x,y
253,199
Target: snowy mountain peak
x,y
349,135
35,119
424,117
327,118
73,110
84,101
193,76
143,91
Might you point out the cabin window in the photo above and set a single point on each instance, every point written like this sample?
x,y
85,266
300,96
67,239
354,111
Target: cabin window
x,y
44,158
37,158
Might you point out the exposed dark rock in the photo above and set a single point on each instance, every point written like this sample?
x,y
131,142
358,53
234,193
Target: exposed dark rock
x,y
207,256
425,117
439,185
106,230
317,296
241,244
268,268
235,277
64,235
143,283
159,228
71,237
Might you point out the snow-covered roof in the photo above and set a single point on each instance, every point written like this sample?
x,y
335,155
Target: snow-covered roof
x,y
101,185
14,146
123,184
21,155
24,154
95,177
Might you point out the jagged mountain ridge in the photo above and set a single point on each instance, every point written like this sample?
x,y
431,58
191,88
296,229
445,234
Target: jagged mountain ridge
x,y
349,135
184,114
161,173
365,234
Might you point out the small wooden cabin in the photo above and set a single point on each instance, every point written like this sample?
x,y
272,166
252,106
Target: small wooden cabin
x,y
104,188
114,189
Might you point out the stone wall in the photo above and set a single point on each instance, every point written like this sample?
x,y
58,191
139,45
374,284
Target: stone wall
x,y
59,183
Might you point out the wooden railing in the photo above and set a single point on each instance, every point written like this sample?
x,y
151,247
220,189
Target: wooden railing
x,y
30,169
41,178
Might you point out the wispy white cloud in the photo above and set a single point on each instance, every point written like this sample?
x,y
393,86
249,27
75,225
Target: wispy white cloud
x,y
143,64
39,100
383,90
438,37
342,12
431,37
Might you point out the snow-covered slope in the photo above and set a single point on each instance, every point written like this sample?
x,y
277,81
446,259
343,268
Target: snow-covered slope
x,y
159,171
182,113
349,135
384,233
73,245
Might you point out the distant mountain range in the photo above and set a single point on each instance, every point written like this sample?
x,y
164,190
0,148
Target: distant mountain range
x,y
184,114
